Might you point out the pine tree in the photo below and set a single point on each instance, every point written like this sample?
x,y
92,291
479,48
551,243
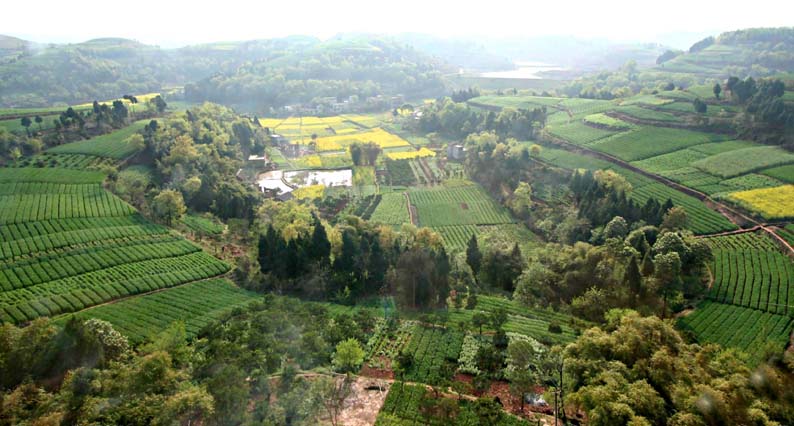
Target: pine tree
x,y
633,280
647,264
320,248
473,255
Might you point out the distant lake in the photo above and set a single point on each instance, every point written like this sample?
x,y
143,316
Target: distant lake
x,y
524,70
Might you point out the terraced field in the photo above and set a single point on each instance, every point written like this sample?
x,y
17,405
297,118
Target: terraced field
x,y
749,270
195,304
750,330
67,244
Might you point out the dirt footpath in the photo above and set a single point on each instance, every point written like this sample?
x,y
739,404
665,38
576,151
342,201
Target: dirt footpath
x,y
362,408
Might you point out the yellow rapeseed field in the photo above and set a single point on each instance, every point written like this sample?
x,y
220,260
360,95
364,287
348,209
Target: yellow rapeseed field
x,y
772,203
379,136
407,155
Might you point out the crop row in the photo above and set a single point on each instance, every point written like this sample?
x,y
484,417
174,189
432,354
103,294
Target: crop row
x,y
46,227
732,326
388,344
431,348
65,161
54,175
58,240
746,241
38,271
456,237
31,188
391,210
36,207
195,304
86,290
755,278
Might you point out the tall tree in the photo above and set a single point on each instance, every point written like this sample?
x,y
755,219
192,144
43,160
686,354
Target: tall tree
x,y
473,256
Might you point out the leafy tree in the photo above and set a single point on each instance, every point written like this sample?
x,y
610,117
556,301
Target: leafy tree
x,y
675,219
26,124
521,201
700,106
168,206
478,320
616,228
348,355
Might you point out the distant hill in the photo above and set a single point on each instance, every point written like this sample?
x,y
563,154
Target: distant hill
x,y
756,52
110,67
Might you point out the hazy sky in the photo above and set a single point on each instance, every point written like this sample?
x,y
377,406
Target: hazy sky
x,y
172,23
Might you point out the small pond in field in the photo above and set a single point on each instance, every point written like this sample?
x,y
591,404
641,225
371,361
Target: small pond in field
x,y
288,181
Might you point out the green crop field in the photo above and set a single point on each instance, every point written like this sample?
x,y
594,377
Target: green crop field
x,y
714,148
112,145
641,113
195,304
782,173
67,244
672,161
431,347
464,205
650,141
579,133
741,161
733,326
749,270
392,209
601,119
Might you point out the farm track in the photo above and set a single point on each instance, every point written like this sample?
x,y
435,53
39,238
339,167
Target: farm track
x,y
411,210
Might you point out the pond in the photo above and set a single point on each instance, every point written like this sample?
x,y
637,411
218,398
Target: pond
x,y
287,181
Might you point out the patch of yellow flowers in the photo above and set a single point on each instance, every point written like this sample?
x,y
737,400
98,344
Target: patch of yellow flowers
x,y
311,191
772,203
408,155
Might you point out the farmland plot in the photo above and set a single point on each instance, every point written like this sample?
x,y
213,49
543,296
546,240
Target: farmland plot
x,y
742,161
749,270
465,205
651,141
733,326
195,304
67,244
111,145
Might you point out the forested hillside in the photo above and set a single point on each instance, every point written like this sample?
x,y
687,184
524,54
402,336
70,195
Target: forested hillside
x,y
304,67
